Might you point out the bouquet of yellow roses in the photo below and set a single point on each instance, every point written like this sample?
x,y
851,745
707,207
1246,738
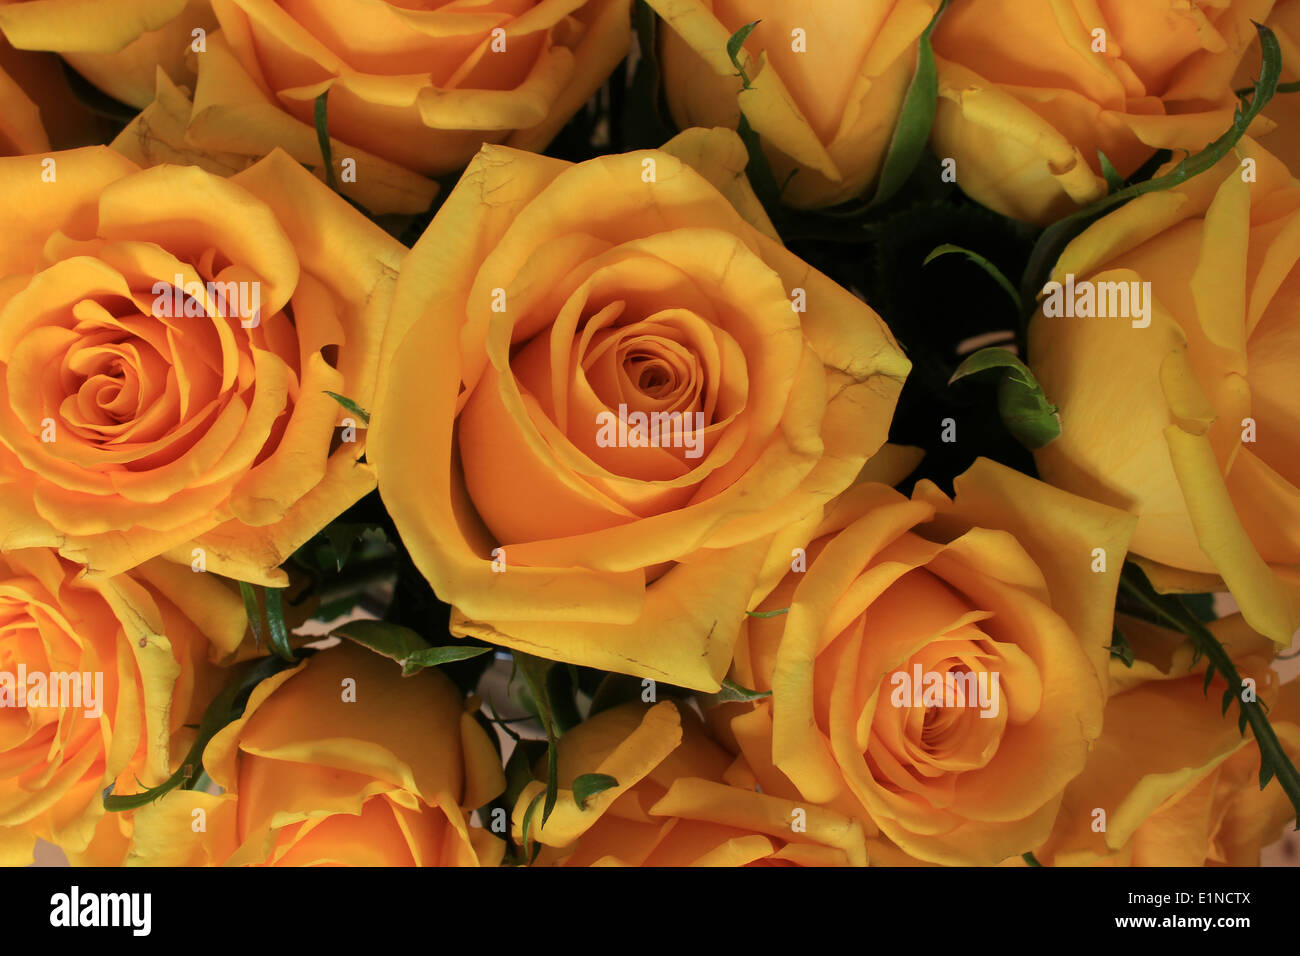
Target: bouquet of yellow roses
x,y
548,433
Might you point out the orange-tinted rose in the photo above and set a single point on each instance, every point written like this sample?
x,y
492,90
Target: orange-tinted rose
x,y
341,761
413,92
113,674
1171,781
941,671
548,306
1030,90
1184,411
167,338
827,82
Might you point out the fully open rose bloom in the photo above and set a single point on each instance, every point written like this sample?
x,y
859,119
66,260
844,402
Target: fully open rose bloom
x,y
1171,781
1030,90
167,339
827,81
111,670
1183,409
341,761
1012,583
681,800
116,44
549,305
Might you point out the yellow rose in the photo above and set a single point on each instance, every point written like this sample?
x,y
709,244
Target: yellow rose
x,y
941,670
118,46
167,338
98,679
827,82
681,800
1030,90
1171,781
339,761
1185,414
413,93
548,306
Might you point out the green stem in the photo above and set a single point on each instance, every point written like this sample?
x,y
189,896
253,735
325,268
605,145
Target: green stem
x,y
1170,610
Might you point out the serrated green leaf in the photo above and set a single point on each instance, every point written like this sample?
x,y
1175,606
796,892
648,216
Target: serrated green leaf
x,y
351,406
731,692
588,785
1209,676
275,624
912,130
1047,250
1023,407
1227,699
949,249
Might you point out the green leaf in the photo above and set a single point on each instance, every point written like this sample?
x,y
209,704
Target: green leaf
x,y
561,691
323,138
405,646
590,784
275,624
1114,181
433,656
530,849
777,613
1024,409
1172,613
1119,646
734,45
948,249
1031,859
912,131
227,706
1056,237
342,536
1202,605
731,692
253,612
534,671
351,406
